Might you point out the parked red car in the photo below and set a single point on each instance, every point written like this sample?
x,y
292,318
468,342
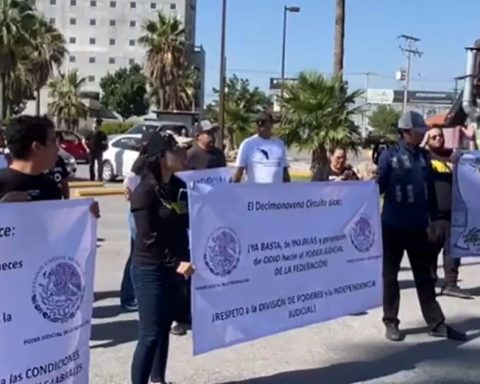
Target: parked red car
x,y
73,144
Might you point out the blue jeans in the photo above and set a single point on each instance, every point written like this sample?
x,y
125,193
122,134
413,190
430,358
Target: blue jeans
x,y
156,288
127,292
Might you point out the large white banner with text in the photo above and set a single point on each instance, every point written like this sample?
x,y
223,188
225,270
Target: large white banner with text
x,y
47,264
465,225
271,258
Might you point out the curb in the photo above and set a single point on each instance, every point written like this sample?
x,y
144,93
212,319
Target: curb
x,y
85,184
92,192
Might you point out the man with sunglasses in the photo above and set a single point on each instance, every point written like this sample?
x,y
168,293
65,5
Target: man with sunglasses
x,y
442,160
262,157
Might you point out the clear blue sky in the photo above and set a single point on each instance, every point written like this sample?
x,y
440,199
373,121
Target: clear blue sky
x,y
254,36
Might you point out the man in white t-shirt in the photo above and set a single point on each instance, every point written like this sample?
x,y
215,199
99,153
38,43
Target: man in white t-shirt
x,y
262,157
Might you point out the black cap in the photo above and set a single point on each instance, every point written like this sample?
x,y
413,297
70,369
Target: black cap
x,y
159,142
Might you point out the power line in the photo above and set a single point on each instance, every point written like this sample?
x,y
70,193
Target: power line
x,y
410,49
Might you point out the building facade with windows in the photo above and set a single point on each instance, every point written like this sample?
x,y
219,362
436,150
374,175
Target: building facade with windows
x,y
102,35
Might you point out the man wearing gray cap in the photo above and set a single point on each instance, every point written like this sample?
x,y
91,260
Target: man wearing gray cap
x,y
204,154
405,180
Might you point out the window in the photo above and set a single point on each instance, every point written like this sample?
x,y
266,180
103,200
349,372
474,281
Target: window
x,y
53,2
93,21
131,43
73,3
111,60
52,21
112,23
73,21
91,78
93,3
133,4
73,40
91,60
72,59
112,41
113,4
133,23
131,61
173,6
129,143
93,41
153,5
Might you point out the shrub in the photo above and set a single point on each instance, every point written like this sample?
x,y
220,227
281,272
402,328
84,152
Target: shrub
x,y
114,128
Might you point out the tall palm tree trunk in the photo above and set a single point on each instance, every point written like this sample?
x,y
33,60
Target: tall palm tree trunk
x,y
339,37
38,102
2,97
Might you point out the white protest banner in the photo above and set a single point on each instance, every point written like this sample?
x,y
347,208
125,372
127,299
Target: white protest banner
x,y
208,177
46,283
270,258
465,225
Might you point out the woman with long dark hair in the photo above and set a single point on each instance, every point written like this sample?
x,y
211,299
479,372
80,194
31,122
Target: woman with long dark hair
x,y
161,257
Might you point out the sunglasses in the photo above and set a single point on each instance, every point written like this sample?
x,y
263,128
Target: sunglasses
x,y
436,137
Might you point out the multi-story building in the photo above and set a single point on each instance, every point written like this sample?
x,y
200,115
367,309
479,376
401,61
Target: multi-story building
x,y
102,35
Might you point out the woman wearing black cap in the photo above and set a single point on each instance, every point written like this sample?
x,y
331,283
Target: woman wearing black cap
x,y
161,253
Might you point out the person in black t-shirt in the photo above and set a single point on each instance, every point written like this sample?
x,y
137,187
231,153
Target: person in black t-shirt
x,y
60,174
204,154
161,258
97,143
33,148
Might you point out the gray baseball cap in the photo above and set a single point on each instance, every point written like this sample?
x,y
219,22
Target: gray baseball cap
x,y
205,126
414,121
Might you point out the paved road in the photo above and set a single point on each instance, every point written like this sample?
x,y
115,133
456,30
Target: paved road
x,y
348,350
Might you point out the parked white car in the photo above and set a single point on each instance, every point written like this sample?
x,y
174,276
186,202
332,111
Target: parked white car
x,y
118,159
146,126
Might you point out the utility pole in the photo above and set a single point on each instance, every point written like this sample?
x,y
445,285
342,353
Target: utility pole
x,y
223,75
409,49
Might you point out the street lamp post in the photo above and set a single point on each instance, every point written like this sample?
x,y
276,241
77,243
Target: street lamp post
x,y
286,9
221,98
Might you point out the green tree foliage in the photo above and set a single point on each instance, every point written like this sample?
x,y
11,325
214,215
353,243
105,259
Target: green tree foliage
x,y
67,104
125,91
173,81
30,51
317,116
242,102
384,120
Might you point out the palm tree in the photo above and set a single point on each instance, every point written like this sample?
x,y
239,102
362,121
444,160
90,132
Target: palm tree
x,y
67,105
16,20
48,53
317,116
165,60
339,38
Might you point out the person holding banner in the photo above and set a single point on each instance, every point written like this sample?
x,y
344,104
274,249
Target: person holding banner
x,y
33,150
262,157
405,180
442,160
161,257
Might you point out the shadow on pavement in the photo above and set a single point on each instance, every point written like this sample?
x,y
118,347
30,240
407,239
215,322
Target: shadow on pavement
x,y
106,311
98,296
389,362
114,333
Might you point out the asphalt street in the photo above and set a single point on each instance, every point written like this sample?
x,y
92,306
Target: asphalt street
x,y
347,350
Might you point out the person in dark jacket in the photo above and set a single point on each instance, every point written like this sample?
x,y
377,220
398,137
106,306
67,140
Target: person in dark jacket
x,y
161,257
405,180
